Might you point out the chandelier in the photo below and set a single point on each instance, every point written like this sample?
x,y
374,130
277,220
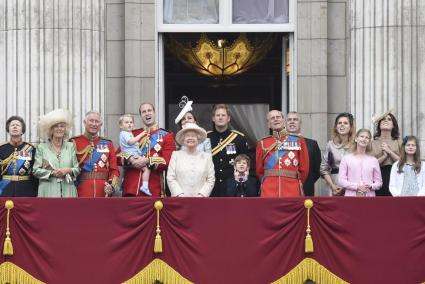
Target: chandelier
x,y
224,57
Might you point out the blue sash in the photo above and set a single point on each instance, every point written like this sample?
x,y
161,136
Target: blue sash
x,y
275,158
95,156
10,171
153,140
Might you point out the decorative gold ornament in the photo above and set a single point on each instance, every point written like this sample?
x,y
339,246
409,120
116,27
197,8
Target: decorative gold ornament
x,y
11,273
308,204
157,270
309,269
8,247
221,59
158,241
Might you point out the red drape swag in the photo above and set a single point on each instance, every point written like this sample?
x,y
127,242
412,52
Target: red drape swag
x,y
361,240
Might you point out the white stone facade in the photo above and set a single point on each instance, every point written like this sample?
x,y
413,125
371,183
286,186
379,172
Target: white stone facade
x,y
52,55
387,62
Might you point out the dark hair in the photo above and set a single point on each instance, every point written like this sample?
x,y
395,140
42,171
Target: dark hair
x,y
352,132
18,118
416,157
395,132
194,117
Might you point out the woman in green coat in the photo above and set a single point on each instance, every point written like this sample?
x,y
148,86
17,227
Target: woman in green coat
x,y
56,164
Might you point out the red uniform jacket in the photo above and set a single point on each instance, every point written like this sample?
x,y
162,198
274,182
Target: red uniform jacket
x,y
157,145
282,165
98,163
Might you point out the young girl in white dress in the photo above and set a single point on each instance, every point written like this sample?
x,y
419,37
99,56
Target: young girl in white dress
x,y
407,175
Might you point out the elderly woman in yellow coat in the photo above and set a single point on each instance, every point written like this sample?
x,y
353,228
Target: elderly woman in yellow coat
x,y
56,164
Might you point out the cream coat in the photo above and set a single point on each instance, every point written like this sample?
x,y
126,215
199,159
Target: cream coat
x,y
190,174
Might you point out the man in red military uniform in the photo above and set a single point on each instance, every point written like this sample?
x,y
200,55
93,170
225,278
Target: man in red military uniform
x,y
156,147
281,160
97,160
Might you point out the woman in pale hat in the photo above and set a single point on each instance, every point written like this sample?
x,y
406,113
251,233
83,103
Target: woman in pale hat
x,y
56,164
186,115
190,172
386,147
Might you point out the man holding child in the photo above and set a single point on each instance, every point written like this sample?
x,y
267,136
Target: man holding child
x,y
156,147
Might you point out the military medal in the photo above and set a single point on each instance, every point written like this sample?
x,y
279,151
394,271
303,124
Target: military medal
x,y
287,162
291,155
230,149
157,147
22,155
295,162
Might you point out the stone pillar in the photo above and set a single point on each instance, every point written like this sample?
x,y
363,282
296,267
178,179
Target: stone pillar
x,y
51,56
387,62
312,41
312,70
131,59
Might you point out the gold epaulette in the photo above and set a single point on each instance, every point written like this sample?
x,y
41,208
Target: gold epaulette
x,y
238,132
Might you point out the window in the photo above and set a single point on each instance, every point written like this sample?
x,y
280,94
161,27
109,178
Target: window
x,y
191,12
260,11
226,15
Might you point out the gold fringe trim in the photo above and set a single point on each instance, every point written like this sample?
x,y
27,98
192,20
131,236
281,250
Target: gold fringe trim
x,y
310,269
158,270
8,247
13,274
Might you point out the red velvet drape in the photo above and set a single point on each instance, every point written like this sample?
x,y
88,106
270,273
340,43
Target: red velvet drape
x,y
361,240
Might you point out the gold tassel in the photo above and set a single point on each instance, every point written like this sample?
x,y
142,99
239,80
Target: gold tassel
x,y
309,248
8,248
158,241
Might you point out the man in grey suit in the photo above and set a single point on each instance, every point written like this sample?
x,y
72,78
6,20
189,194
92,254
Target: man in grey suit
x,y
293,126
